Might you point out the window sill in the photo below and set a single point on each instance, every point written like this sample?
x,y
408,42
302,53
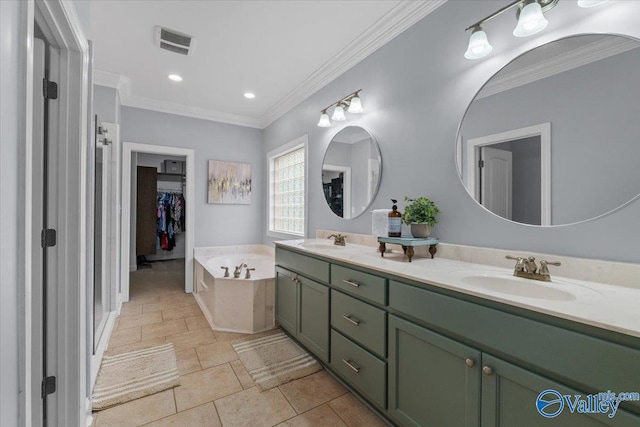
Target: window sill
x,y
283,235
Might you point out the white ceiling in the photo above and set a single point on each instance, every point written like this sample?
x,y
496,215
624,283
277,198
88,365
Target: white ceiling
x,y
283,51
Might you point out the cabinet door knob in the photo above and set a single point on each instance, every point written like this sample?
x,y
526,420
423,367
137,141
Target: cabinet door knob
x,y
350,320
470,362
349,282
487,370
349,364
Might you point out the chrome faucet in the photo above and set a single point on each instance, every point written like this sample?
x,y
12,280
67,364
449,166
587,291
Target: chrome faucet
x,y
238,270
338,239
226,271
248,273
527,268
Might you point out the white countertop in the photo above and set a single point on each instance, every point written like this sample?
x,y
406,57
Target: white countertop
x,y
611,307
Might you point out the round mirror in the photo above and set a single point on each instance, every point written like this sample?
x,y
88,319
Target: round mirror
x,y
351,172
554,137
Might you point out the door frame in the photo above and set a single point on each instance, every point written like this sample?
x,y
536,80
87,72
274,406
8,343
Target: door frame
x,y
542,130
346,187
63,30
128,148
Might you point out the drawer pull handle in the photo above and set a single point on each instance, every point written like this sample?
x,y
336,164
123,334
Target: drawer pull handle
x,y
349,364
354,284
487,370
470,362
350,320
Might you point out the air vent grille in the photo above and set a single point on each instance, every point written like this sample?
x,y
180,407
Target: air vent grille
x,y
173,41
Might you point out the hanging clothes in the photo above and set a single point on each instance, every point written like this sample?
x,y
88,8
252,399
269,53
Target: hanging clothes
x,y
170,212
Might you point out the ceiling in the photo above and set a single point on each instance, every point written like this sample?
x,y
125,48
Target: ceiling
x,y
283,51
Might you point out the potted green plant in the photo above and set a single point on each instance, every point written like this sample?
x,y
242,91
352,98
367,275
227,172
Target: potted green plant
x,y
420,214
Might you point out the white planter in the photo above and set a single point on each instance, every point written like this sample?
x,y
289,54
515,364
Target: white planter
x,y
420,230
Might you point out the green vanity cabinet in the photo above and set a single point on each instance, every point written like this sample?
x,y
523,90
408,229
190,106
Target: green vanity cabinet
x,y
313,317
287,300
433,380
302,309
509,396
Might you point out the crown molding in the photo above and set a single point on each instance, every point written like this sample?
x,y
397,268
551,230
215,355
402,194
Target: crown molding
x,y
190,111
578,57
397,20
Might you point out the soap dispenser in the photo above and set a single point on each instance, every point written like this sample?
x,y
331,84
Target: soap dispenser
x,y
395,221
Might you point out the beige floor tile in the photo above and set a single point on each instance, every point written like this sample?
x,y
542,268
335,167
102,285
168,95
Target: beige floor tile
x,y
242,374
163,329
180,297
181,312
188,302
254,408
197,322
125,336
135,346
130,310
355,413
192,339
187,361
140,300
206,385
216,354
139,411
200,416
139,320
312,391
231,336
159,306
322,416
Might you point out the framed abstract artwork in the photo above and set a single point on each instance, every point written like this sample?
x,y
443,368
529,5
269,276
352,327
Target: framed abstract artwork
x,y
229,183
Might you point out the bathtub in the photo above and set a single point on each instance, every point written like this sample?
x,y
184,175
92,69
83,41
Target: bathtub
x,y
236,305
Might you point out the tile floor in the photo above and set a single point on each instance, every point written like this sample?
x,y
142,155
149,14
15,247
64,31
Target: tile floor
x,y
215,388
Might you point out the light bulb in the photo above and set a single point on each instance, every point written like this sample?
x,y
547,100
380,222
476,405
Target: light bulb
x,y
175,77
355,106
479,46
531,21
590,3
324,120
338,114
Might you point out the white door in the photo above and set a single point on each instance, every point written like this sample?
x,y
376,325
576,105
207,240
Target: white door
x,y
43,305
496,181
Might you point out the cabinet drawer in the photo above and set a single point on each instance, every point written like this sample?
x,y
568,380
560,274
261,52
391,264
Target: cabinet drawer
x,y
362,370
359,321
568,356
363,285
303,264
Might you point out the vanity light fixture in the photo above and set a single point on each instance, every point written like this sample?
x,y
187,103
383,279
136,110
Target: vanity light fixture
x,y
590,3
351,103
531,20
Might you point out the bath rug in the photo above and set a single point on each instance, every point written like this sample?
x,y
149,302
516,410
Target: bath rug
x,y
128,376
275,360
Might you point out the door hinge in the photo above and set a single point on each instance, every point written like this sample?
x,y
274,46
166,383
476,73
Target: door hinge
x,y
481,163
48,386
49,89
48,238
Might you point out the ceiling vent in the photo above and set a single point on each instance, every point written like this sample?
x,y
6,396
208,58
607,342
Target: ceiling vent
x,y
173,41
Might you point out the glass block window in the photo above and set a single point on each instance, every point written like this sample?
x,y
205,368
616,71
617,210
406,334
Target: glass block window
x,y
288,192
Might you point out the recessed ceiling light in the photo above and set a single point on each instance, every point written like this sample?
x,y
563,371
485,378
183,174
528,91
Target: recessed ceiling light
x,y
249,95
175,77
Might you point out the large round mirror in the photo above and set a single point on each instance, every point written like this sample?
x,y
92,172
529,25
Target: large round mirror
x,y
351,172
554,137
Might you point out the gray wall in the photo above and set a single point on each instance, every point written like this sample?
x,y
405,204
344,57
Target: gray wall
x,y
214,224
415,93
595,154
11,137
106,104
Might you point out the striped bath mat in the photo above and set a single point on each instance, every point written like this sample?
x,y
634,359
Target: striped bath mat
x,y
136,374
275,360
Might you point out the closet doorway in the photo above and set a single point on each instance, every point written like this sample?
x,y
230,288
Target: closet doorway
x,y
157,210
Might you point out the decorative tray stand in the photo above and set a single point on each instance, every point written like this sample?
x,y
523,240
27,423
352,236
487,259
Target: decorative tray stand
x,y
408,243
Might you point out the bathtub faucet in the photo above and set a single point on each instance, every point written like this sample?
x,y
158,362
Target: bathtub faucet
x,y
226,271
248,274
238,270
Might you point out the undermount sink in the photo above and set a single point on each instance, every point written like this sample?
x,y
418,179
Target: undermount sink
x,y
518,287
315,245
